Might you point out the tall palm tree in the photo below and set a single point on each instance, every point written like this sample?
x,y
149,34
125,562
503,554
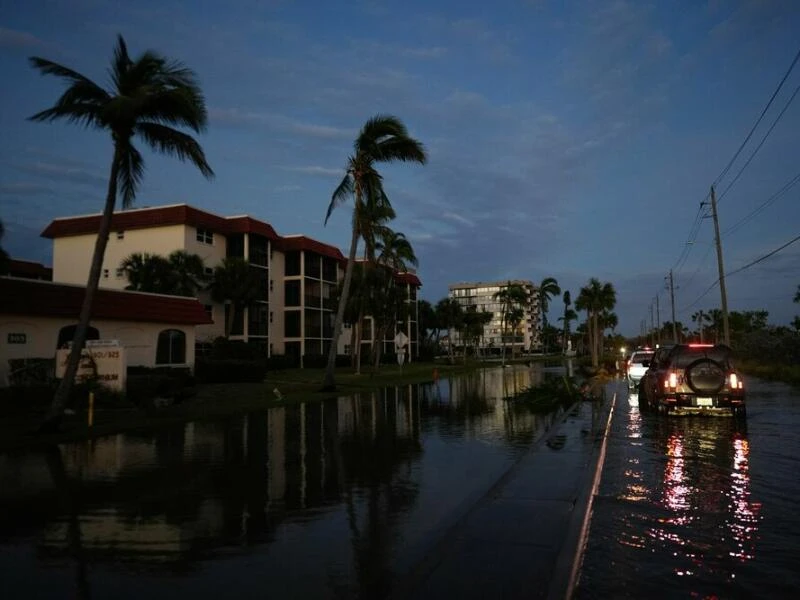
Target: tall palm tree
x,y
382,139
569,315
594,298
148,98
5,259
510,296
515,317
547,289
234,283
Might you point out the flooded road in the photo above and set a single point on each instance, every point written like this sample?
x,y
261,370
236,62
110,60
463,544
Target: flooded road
x,y
693,507
335,499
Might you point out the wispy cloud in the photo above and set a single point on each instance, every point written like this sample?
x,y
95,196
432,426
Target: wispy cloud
x,y
61,172
451,216
24,189
314,170
240,117
12,38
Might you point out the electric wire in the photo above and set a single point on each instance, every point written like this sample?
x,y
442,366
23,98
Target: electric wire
x,y
752,214
758,121
760,144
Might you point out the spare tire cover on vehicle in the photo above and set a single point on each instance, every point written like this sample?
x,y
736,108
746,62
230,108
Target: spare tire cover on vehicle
x,y
705,376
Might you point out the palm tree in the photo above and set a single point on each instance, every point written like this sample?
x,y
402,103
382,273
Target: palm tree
x,y
5,259
382,139
188,273
594,298
147,273
547,289
701,318
234,283
149,97
514,318
450,313
569,315
510,296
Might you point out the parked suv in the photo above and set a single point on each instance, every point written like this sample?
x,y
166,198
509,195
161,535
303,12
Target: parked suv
x,y
693,378
637,365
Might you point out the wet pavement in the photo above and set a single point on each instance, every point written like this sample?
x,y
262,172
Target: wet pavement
x,y
521,540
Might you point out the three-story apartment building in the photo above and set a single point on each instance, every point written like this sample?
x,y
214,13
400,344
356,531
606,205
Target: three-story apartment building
x,y
298,275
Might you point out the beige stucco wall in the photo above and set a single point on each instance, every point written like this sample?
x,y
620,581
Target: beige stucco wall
x,y
139,339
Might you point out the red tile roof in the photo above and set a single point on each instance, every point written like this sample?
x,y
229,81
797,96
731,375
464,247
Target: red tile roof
x,y
301,242
247,224
29,269
409,278
47,299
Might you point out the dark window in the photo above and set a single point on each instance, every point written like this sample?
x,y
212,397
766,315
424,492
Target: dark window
x,y
313,268
67,333
313,293
120,235
205,236
291,293
313,324
292,349
234,246
262,275
171,349
292,266
259,253
327,324
209,308
291,324
257,319
328,292
313,347
328,269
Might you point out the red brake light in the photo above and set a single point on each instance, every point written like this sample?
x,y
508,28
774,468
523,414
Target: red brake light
x,y
701,345
736,383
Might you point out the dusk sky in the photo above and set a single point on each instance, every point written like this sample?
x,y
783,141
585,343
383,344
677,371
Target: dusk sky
x,y
567,139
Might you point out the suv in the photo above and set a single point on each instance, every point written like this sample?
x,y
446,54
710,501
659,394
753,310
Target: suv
x,y
637,365
693,378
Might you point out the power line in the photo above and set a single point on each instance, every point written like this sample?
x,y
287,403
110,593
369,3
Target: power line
x,y
740,269
752,214
761,143
758,121
694,230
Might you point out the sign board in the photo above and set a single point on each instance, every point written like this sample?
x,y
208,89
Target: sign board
x,y
17,338
102,360
400,340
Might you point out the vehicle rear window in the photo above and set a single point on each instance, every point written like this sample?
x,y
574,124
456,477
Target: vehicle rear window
x,y
639,358
685,356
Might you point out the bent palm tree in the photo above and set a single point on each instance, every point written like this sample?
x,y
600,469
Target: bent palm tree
x,y
382,139
149,97
547,289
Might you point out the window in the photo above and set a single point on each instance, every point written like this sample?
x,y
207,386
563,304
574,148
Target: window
x,y
205,236
120,235
209,308
171,348
271,285
105,273
67,333
270,316
291,293
291,325
120,273
312,264
328,269
258,254
257,319
292,263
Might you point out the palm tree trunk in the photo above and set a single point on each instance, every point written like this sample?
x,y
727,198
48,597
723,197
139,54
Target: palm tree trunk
x,y
358,341
229,319
55,413
329,383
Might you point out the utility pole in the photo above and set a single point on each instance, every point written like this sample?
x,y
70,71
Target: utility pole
x,y
658,322
672,302
726,332
652,327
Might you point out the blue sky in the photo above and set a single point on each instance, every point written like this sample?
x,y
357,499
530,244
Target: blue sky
x,y
566,139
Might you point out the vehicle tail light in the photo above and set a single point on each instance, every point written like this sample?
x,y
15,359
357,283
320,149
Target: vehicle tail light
x,y
736,383
671,382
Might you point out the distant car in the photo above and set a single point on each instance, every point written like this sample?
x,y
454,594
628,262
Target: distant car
x,y
695,379
637,365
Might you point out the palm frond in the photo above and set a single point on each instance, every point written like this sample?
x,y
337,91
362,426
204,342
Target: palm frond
x,y
171,141
48,67
120,64
403,149
87,115
175,106
376,129
130,171
342,193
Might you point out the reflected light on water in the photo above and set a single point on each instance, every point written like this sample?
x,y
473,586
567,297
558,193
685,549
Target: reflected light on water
x,y
745,520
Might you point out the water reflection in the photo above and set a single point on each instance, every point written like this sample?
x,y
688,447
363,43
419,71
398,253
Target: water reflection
x,y
347,490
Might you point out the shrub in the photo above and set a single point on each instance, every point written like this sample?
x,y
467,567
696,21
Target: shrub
x,y
279,362
214,370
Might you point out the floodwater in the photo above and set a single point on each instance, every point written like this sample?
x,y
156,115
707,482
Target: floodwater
x,y
333,499
693,507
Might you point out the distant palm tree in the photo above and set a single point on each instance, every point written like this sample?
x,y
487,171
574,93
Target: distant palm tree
x,y
701,318
382,139
147,273
594,298
515,317
188,273
5,259
235,284
547,289
450,314
569,315
510,296
149,96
